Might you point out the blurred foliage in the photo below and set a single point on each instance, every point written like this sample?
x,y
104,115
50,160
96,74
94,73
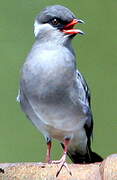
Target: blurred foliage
x,y
97,59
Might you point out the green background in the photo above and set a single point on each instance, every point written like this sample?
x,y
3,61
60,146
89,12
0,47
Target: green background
x,y
97,53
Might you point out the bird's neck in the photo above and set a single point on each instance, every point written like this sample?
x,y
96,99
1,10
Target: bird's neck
x,y
53,42
54,37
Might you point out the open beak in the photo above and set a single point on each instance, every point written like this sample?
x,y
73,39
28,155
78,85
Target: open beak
x,y
68,29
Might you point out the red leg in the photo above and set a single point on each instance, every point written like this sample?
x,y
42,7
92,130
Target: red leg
x,y
66,143
62,161
49,145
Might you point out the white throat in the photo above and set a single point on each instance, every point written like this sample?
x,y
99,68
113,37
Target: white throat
x,y
36,28
46,32
41,28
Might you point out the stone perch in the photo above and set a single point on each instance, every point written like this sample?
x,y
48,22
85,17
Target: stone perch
x,y
107,170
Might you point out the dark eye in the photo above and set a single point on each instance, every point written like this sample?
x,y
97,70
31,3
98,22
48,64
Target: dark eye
x,y
55,22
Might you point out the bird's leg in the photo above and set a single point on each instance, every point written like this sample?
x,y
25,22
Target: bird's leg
x,y
62,161
49,145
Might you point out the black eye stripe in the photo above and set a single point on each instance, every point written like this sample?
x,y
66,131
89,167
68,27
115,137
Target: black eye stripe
x,y
55,21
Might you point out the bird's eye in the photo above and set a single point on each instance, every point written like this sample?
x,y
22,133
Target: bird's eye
x,y
55,21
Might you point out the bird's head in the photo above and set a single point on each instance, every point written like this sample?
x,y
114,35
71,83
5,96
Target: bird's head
x,y
56,21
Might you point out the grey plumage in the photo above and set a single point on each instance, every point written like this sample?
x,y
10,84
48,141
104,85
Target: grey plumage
x,y
53,93
58,11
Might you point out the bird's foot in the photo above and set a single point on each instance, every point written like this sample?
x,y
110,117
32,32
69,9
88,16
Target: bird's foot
x,y
61,166
62,163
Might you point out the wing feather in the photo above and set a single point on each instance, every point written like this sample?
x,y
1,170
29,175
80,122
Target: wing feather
x,y
86,96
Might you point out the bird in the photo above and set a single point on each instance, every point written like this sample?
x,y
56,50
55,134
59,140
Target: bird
x,y
53,93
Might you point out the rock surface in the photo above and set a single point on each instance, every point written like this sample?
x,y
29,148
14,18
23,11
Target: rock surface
x,y
107,170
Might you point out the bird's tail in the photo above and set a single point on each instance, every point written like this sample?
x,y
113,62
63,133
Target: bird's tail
x,y
90,157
